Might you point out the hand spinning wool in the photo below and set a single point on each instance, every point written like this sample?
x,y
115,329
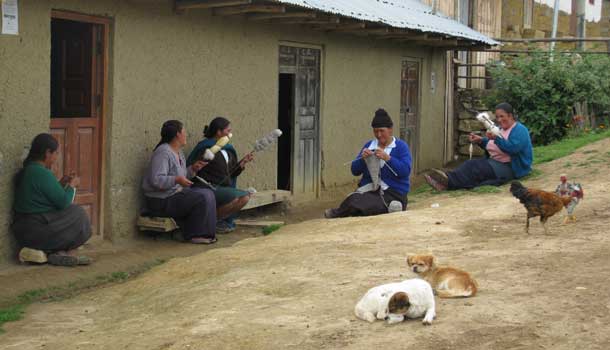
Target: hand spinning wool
x,y
260,145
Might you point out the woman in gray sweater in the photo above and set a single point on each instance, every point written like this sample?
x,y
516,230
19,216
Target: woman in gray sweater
x,y
168,191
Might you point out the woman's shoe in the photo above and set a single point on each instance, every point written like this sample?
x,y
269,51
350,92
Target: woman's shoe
x,y
439,176
59,259
437,186
203,240
62,259
224,227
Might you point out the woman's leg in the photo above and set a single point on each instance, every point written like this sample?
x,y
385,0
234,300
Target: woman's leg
x,y
360,204
62,230
470,174
232,207
196,209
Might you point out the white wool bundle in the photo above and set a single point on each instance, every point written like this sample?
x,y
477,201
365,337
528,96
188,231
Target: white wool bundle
x,y
489,125
211,152
268,140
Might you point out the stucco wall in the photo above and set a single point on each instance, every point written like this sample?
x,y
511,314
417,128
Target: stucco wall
x,y
192,67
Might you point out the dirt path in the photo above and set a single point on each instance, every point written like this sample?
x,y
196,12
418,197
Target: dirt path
x,y
297,287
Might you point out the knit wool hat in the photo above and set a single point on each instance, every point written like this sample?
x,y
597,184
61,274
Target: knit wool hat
x,y
382,119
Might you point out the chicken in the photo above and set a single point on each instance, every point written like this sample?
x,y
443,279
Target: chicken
x,y
573,190
538,203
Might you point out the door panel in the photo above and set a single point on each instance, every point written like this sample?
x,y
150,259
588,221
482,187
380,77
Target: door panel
x,y
76,88
305,62
71,59
409,107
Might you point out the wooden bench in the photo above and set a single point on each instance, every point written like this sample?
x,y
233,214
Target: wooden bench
x,y
258,199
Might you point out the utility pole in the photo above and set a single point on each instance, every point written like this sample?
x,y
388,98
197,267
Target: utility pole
x,y
581,23
554,31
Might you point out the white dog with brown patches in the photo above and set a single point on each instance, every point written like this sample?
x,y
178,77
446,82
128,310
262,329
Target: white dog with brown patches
x,y
411,298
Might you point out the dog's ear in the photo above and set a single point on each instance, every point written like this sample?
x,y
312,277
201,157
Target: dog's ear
x,y
429,260
410,259
399,303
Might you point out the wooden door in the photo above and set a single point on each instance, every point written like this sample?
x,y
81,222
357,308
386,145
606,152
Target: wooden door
x,y
76,88
409,107
305,64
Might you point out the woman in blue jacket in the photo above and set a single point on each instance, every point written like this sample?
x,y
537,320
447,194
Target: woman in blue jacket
x,y
389,161
509,156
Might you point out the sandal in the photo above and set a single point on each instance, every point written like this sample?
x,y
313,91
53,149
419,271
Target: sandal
x,y
68,260
62,260
203,240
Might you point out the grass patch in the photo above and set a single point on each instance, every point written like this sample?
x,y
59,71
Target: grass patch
x,y
477,190
14,309
271,228
567,146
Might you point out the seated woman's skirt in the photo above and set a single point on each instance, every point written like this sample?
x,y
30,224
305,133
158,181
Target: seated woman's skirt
x,y
479,172
53,231
194,209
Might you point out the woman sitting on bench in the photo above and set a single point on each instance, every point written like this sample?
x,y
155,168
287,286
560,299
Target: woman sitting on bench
x,y
168,190
45,218
222,173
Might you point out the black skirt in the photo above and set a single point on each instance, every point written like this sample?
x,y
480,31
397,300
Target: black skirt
x,y
53,231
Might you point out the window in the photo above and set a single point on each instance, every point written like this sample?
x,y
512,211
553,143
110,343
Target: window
x,y
528,13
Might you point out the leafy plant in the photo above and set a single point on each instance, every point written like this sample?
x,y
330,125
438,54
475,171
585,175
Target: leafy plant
x,y
271,228
544,91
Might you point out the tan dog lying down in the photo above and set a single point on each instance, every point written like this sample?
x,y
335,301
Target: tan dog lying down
x,y
447,282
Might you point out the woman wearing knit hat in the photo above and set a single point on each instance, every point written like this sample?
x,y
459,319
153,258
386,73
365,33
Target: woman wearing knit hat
x,y
385,166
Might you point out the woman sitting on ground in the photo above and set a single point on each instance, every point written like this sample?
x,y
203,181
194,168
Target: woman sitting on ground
x,y
45,217
509,156
168,190
222,173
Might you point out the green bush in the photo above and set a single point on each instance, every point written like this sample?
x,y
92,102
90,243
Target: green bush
x,y
544,92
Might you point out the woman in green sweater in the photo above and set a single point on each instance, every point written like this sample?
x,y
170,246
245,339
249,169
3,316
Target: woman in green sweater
x,y
45,218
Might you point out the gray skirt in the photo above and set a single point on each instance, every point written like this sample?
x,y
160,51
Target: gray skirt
x,y
53,231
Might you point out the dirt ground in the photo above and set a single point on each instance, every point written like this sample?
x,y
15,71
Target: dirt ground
x,y
297,287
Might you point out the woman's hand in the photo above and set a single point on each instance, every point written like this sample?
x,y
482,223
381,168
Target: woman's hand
x,y
490,135
198,165
183,181
247,159
380,153
366,153
74,181
474,138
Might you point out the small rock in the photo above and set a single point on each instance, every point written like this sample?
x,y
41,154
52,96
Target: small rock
x,y
438,222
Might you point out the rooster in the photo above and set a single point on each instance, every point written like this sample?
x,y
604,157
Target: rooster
x,y
538,203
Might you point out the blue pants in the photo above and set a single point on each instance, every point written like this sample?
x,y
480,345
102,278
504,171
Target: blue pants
x,y
479,172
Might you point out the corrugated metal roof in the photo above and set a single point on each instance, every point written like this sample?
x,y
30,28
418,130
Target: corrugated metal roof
x,y
409,14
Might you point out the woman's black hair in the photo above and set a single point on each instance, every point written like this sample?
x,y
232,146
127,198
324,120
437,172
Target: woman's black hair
x,y
218,123
169,130
38,150
506,107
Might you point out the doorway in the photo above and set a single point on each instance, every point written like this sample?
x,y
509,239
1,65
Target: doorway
x,y
285,123
300,97
78,68
409,107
